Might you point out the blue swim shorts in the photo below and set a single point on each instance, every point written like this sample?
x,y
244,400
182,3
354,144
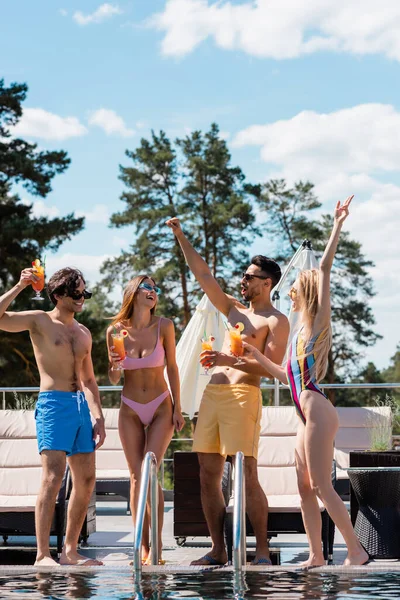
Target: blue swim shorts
x,y
63,422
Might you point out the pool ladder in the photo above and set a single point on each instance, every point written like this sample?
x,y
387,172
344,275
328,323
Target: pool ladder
x,y
149,476
239,515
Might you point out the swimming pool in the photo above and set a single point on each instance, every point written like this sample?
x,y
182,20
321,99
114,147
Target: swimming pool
x,y
205,585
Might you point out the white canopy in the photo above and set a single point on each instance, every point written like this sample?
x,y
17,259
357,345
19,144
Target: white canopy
x,y
206,319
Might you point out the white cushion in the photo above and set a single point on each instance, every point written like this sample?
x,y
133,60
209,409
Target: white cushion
x,y
283,504
279,420
20,481
17,424
17,503
112,474
277,451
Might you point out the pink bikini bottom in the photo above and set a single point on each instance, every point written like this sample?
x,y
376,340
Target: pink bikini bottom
x,y
145,412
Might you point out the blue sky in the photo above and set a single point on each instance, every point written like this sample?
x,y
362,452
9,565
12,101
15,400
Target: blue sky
x,y
297,93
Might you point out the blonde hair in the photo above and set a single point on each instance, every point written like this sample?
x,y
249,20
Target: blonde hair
x,y
130,293
309,286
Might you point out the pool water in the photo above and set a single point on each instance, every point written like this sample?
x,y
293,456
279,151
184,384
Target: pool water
x,y
209,585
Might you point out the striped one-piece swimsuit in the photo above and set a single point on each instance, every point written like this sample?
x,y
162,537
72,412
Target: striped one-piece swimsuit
x,y
299,366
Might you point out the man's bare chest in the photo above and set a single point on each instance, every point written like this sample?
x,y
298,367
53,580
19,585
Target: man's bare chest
x,y
61,339
255,326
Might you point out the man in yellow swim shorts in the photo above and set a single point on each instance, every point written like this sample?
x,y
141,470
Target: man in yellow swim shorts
x,y
230,410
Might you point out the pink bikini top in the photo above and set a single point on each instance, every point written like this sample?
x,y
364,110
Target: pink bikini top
x,y
155,359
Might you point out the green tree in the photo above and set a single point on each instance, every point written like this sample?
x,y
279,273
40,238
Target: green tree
x,y
392,374
193,179
289,220
24,237
215,199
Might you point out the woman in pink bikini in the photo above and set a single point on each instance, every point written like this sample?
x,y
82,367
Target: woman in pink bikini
x,y
148,414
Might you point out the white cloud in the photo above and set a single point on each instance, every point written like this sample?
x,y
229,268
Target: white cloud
x,y
63,12
355,141
39,123
102,13
345,152
281,29
89,264
40,209
99,214
110,122
224,135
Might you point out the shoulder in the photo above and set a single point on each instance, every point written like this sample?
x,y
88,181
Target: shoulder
x,y
277,321
84,329
235,302
166,324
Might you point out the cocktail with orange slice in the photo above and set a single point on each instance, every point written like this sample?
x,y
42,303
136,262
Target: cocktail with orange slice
x,y
207,344
118,338
38,271
235,334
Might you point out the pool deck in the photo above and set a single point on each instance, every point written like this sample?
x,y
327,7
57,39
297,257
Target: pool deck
x,y
112,543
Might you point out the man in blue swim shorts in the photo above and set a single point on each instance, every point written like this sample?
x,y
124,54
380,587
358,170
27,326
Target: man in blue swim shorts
x,y
68,398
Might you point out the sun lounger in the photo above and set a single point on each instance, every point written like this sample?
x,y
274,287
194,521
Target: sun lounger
x,y
20,474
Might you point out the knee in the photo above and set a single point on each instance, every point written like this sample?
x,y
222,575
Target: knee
x,y
305,489
135,474
53,479
209,477
88,481
322,490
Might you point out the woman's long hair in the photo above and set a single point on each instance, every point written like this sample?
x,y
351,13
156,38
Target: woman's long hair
x,y
130,292
309,285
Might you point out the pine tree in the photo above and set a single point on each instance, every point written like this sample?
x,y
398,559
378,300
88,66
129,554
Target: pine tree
x,y
192,179
24,237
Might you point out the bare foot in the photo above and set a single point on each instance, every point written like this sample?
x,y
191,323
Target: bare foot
x,y
45,561
211,559
313,561
359,558
73,558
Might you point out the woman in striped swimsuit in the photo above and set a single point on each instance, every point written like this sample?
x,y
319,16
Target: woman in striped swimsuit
x,y
306,365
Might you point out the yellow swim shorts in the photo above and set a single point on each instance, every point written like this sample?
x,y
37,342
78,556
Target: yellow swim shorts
x,y
229,420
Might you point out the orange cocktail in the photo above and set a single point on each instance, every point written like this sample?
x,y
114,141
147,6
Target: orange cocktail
x,y
235,335
119,345
38,271
207,344
236,342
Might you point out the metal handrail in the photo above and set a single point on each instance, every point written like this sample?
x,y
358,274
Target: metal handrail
x,y
264,386
239,514
149,475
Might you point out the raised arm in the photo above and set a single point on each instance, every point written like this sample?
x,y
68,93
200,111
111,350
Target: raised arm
x,y
323,315
201,270
17,321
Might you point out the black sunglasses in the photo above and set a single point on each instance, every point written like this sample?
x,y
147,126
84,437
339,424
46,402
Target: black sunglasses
x,y
250,276
78,295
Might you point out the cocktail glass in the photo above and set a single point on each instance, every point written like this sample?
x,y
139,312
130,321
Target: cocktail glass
x,y
38,285
207,344
235,334
119,347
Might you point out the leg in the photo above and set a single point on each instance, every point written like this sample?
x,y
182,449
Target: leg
x,y
133,440
309,503
83,476
53,464
256,508
320,430
159,435
212,500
